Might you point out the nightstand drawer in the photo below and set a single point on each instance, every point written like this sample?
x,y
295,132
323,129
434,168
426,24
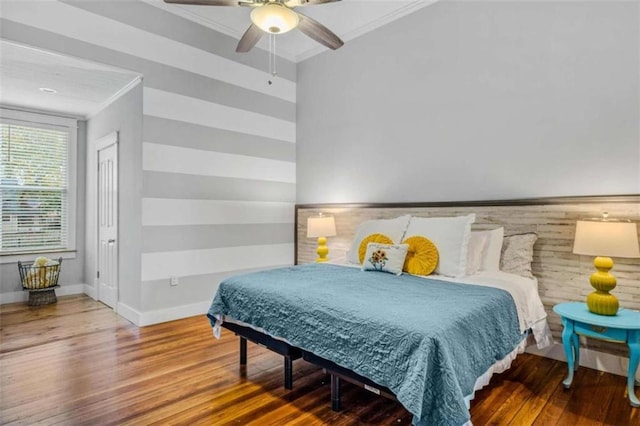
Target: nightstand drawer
x,y
600,332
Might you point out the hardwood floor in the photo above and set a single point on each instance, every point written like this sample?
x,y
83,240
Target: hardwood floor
x,y
77,362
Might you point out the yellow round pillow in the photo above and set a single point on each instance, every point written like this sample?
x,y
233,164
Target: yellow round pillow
x,y
373,238
422,256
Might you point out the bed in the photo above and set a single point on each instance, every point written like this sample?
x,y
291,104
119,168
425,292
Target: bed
x,y
430,342
420,309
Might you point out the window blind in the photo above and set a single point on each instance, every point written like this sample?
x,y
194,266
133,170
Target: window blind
x,y
34,173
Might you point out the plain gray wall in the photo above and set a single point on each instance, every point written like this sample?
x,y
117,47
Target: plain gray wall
x,y
72,271
472,101
125,117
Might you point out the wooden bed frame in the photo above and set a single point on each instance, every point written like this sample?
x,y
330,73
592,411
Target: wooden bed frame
x,y
552,218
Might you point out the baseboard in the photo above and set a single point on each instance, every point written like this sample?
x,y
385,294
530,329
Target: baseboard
x,y
161,315
90,291
23,296
174,313
128,313
588,358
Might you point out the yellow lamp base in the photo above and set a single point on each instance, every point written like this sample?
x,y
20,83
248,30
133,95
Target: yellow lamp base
x,y
601,302
322,250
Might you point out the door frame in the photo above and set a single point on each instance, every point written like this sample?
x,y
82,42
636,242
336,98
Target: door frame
x,y
93,226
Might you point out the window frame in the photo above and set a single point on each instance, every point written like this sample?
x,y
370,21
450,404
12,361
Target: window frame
x,y
70,125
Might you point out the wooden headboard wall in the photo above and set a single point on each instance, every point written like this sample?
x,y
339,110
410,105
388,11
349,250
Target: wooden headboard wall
x,y
562,275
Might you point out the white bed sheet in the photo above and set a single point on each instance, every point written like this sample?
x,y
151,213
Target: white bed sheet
x,y
531,312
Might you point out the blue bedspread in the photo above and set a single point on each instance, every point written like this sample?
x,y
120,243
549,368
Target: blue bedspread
x,y
426,340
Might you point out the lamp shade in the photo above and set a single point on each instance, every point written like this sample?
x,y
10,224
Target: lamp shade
x,y
610,238
321,226
274,18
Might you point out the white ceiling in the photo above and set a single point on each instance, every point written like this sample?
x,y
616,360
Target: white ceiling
x,y
347,18
82,87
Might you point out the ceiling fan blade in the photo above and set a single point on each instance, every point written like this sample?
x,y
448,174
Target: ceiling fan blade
x,y
249,39
296,3
319,32
208,2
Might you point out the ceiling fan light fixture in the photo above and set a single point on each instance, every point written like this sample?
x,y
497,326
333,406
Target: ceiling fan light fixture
x,y
274,18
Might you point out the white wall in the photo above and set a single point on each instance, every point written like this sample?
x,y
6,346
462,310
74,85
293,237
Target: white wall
x,y
125,117
475,101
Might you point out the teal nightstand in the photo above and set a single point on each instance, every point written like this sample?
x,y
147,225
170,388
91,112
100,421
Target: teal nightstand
x,y
623,327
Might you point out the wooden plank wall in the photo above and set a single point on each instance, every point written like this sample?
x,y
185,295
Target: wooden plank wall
x,y
562,275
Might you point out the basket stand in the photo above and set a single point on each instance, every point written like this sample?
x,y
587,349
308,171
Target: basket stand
x,y
40,282
43,296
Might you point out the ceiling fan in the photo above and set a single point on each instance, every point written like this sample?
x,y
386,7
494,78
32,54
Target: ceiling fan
x,y
275,17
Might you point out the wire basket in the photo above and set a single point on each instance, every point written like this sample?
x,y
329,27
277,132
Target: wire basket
x,y
35,277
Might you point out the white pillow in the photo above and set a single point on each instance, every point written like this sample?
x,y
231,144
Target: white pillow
x,y
517,254
491,255
385,257
451,237
475,251
392,228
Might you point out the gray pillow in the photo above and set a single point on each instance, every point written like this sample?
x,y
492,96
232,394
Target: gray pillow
x,y
517,254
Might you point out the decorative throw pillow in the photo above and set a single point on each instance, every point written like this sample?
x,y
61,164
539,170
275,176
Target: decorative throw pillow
x,y
451,237
475,251
394,228
517,254
385,257
373,238
491,255
422,256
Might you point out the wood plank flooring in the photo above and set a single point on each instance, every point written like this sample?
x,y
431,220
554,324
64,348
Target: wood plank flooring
x,y
77,363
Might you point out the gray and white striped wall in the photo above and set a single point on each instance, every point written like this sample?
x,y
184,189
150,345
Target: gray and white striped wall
x,y
218,146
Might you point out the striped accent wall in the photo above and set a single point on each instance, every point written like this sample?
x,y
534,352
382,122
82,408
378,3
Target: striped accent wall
x,y
218,148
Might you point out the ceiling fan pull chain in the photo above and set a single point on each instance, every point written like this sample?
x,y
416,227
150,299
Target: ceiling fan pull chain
x,y
272,57
274,71
272,54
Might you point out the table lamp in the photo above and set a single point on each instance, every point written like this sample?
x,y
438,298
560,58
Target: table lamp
x,y
321,227
603,238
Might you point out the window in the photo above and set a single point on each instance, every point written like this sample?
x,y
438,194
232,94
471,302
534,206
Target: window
x,y
37,182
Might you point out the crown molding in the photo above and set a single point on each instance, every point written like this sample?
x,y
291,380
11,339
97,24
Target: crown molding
x,y
384,20
130,85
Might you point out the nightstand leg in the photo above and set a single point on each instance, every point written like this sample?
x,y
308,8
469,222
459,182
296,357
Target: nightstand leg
x,y
575,341
634,358
567,342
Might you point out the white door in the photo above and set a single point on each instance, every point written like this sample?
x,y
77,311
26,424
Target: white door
x,y
108,225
